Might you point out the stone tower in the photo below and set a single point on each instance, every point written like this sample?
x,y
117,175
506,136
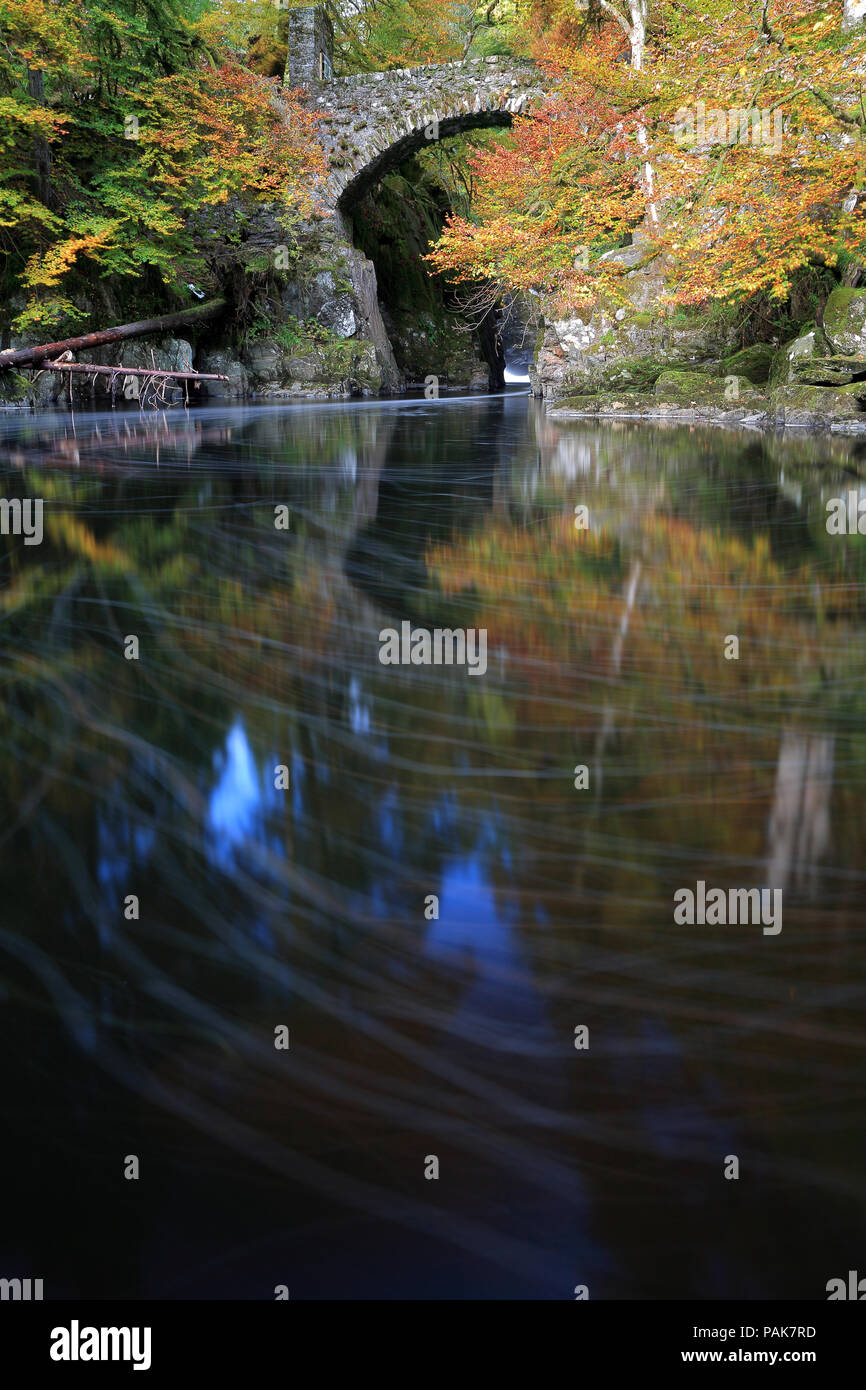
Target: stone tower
x,y
311,47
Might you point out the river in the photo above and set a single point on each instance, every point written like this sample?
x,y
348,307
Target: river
x,y
243,822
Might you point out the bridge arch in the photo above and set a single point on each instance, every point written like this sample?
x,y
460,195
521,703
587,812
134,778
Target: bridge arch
x,y
370,122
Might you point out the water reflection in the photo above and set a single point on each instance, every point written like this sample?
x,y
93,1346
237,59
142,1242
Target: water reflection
x,y
799,832
414,1033
237,805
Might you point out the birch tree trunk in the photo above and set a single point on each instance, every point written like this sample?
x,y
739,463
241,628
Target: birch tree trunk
x,y
634,29
638,12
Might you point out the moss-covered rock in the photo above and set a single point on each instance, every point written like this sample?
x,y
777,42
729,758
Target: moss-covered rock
x,y
812,406
697,388
829,371
15,388
711,410
808,345
753,362
308,360
845,321
681,385
691,396
603,403
641,373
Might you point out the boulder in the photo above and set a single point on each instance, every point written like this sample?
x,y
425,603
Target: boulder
x,y
226,364
845,321
318,368
697,388
828,371
810,344
753,362
812,407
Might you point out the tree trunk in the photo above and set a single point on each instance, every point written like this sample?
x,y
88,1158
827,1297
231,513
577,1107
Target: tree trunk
x,y
41,148
638,14
96,370
197,313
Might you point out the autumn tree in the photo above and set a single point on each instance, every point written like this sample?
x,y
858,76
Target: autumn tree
x,y
573,179
738,205
760,145
144,128
380,34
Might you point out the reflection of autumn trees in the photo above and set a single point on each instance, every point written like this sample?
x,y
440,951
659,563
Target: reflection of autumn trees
x,y
237,616
605,648
584,663
695,734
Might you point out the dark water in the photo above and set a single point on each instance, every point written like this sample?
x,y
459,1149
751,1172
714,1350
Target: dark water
x,y
260,907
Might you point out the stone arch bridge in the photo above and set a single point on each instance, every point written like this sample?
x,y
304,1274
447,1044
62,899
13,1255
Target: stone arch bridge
x,y
370,122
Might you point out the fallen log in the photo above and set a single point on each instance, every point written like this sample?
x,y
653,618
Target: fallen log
x,y
89,368
196,313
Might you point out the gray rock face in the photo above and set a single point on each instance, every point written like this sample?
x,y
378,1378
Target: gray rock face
x,y
165,354
161,353
810,344
612,351
335,287
337,312
226,364
359,303
845,321
319,281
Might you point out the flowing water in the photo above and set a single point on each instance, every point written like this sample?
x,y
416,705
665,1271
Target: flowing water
x,y
594,1157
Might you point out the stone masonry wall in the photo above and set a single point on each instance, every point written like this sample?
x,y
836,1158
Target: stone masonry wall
x,y
310,34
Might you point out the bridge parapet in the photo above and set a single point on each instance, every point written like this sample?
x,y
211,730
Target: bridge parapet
x,y
471,67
